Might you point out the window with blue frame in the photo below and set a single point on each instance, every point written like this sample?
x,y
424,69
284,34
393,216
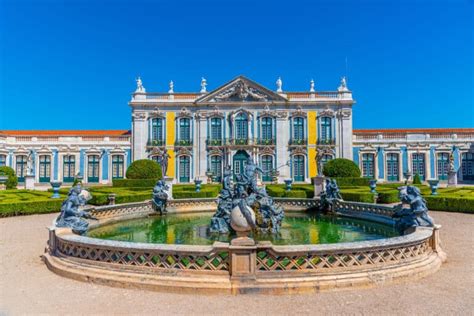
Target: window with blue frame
x,y
93,168
467,166
3,160
69,168
298,130
368,166
44,168
20,168
298,168
216,168
326,130
117,166
418,164
267,167
216,130
185,131
325,159
184,168
157,131
392,167
443,166
266,131
241,128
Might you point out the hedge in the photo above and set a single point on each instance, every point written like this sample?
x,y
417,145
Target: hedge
x,y
341,167
188,191
31,207
352,181
450,203
12,180
144,169
134,183
297,191
357,196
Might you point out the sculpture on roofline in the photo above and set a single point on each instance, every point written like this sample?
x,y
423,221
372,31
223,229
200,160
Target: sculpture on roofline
x,y
416,215
160,197
71,215
140,87
203,85
329,196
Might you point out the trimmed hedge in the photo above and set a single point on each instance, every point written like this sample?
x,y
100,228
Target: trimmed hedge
x,y
144,169
357,196
302,191
450,203
188,191
12,180
341,167
352,181
134,183
32,207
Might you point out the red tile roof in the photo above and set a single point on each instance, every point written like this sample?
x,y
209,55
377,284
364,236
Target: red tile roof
x,y
102,133
414,130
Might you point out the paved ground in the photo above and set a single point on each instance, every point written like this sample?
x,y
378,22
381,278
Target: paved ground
x,y
28,287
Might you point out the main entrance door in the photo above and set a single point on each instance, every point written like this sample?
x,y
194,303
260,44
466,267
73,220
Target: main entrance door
x,y
239,161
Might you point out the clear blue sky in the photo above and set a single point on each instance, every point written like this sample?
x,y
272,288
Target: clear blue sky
x,y
61,59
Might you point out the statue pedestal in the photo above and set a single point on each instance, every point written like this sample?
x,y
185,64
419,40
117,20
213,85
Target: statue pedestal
x,y
29,182
242,259
318,183
452,179
169,183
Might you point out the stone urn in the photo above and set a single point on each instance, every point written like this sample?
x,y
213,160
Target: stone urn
x,y
56,185
288,183
239,223
197,184
373,185
433,186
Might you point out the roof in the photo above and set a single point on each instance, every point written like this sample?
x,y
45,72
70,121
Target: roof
x,y
102,133
414,130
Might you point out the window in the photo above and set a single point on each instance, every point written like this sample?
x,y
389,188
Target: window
x,y
467,166
267,167
267,129
44,168
368,169
298,130
216,129
418,165
157,132
325,159
443,166
216,168
93,168
241,127
3,160
392,167
298,168
184,168
69,168
117,167
185,130
326,129
20,168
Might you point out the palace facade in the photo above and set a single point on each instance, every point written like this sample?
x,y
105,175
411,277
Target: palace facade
x,y
292,132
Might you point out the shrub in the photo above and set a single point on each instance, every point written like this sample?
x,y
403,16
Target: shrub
x,y
387,197
450,203
297,191
357,196
341,167
352,182
144,169
134,183
416,179
184,191
12,180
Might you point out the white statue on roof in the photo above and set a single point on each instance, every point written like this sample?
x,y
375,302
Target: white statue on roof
x,y
311,86
140,87
279,84
171,90
203,85
343,86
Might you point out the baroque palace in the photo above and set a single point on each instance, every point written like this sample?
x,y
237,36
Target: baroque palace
x,y
289,134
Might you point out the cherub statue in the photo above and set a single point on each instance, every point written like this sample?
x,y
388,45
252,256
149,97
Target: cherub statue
x,y
416,215
160,197
71,216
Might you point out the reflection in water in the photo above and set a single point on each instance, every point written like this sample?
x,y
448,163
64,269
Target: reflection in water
x,y
299,228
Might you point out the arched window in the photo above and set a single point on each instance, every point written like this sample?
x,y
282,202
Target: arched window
x,y
93,168
418,164
216,130
368,168
298,130
326,130
184,168
443,166
241,128
298,168
44,168
267,167
117,167
3,160
185,131
157,132
20,167
266,134
392,167
69,168
216,168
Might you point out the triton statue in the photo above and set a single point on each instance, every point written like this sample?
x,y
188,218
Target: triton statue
x,y
244,206
416,215
71,216
160,197
329,196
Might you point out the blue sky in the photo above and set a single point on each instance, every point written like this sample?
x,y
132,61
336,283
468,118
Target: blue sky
x,y
410,63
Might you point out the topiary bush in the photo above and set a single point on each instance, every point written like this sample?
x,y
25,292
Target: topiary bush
x,y
416,179
12,180
341,167
144,169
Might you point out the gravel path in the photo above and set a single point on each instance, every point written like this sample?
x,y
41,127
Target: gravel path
x,y
28,287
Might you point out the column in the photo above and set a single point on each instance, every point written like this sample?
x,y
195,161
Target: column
x,y
346,134
380,164
200,158
105,166
282,153
55,165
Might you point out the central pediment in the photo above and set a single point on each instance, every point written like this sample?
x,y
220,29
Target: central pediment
x,y
241,89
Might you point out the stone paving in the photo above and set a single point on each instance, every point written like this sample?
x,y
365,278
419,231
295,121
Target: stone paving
x,y
28,287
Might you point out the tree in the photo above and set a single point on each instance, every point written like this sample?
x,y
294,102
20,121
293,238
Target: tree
x,y
341,167
12,180
144,169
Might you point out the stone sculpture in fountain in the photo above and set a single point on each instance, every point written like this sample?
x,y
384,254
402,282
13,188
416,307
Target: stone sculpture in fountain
x,y
160,196
244,207
329,196
72,215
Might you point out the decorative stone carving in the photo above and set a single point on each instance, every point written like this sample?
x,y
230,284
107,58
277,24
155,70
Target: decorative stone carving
x,y
171,90
330,196
160,197
139,116
344,113
298,112
279,84
241,91
343,85
184,113
157,113
327,112
203,85
311,86
140,87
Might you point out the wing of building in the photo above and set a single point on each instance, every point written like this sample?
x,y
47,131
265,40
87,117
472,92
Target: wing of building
x,y
289,134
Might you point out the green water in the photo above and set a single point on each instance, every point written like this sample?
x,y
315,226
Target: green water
x,y
193,229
